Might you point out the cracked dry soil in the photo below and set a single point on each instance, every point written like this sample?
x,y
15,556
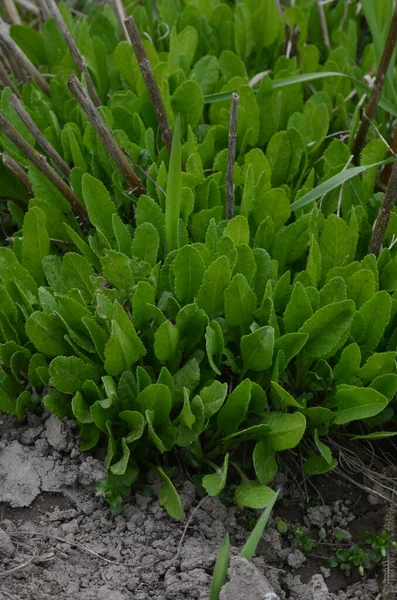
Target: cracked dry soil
x,y
59,541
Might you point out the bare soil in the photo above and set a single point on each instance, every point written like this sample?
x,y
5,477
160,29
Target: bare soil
x,y
59,541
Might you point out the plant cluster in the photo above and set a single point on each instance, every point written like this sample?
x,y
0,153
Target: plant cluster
x,y
345,556
149,318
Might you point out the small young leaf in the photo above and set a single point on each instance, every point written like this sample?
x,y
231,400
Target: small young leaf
x,y
169,497
214,484
257,349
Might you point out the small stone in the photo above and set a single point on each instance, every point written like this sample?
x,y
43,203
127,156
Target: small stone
x,y
246,582
296,559
7,548
319,515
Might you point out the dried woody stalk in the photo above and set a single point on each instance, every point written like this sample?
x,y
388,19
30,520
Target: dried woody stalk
x,y
323,23
5,78
53,9
29,6
369,112
383,218
106,136
38,136
151,84
119,8
16,169
231,157
39,161
12,12
21,59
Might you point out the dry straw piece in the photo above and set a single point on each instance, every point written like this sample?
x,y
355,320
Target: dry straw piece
x,y
106,136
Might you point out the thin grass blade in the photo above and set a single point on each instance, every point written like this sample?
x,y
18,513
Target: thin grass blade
x,y
221,567
251,544
334,182
174,190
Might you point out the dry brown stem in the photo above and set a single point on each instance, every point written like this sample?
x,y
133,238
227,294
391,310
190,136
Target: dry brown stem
x,y
38,136
369,111
12,12
74,51
16,169
231,157
385,211
151,84
106,136
40,162
14,50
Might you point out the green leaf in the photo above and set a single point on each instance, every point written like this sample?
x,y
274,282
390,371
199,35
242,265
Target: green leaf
x,y
166,341
243,27
188,268
337,244
169,497
120,467
285,397
220,569
265,463
233,412
278,153
316,465
214,345
334,182
35,243
290,344
328,328
124,347
47,333
174,191
361,286
30,42
324,450
116,268
355,403
213,397
240,302
348,365
188,102
145,244
274,204
206,72
257,349
254,495
68,373
100,208
81,409
377,364
298,309
238,230
214,484
136,422
251,544
286,429
211,293
371,321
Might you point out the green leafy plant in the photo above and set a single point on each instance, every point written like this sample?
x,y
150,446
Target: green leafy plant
x,y
150,319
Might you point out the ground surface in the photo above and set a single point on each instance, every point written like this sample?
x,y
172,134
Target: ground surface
x,y
58,541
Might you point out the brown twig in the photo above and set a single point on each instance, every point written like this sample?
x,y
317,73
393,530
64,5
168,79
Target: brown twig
x,y
74,51
151,84
12,12
29,6
383,218
16,169
38,136
376,93
231,157
40,162
6,79
119,10
14,50
323,23
106,136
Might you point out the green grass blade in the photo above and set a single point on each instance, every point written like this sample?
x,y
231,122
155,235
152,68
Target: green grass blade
x,y
304,78
251,544
174,190
334,182
221,566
